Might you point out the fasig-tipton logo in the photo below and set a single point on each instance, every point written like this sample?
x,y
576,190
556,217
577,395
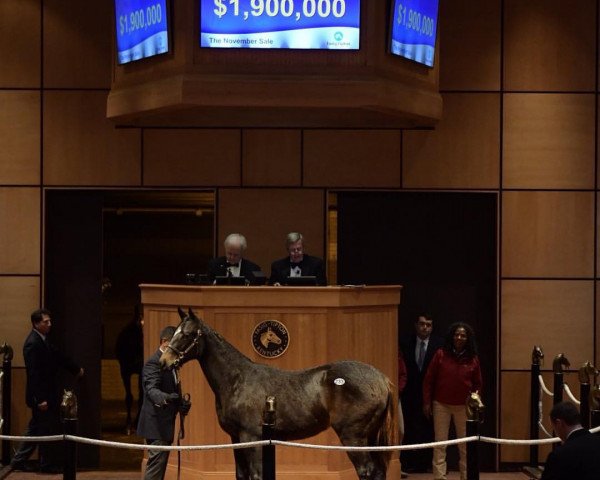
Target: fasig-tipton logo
x,y
270,338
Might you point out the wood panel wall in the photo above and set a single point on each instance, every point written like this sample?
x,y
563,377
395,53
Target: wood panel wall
x,y
520,87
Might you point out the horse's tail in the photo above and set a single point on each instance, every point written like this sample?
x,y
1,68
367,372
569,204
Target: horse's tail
x,y
388,432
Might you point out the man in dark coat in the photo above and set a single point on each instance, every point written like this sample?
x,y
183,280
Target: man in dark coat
x,y
297,263
42,363
577,457
162,402
417,350
233,264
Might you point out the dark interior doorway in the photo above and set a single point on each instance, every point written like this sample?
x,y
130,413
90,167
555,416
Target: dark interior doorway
x,y
99,246
441,247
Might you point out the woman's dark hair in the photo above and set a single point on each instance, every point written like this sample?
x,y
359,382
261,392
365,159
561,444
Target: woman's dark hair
x,y
471,345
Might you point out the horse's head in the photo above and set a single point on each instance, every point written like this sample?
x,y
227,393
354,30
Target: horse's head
x,y
68,405
595,397
559,361
537,356
269,337
475,407
187,342
587,373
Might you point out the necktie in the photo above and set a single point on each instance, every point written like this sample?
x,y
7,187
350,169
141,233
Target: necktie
x,y
421,356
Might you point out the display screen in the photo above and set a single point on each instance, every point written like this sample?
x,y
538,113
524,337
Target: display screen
x,y
413,30
300,24
141,29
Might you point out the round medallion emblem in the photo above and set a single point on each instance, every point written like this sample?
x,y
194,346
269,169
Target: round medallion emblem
x,y
270,338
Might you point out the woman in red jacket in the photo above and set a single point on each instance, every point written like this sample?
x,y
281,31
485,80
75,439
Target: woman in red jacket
x,y
454,372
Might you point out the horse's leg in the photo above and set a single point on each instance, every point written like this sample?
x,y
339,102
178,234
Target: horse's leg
x,y
252,458
368,465
140,398
242,466
126,377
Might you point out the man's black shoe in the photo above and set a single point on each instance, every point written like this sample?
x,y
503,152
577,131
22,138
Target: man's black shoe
x,y
51,469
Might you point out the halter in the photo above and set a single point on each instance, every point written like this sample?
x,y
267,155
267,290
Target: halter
x,y
181,355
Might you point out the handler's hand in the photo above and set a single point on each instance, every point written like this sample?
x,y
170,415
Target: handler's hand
x,y
172,398
427,410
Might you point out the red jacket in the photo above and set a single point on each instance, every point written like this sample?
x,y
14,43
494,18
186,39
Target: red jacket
x,y
401,373
450,379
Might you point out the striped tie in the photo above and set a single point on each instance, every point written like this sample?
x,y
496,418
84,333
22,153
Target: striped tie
x,y
421,355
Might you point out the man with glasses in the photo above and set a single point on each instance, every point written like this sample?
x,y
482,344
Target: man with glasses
x,y
233,264
297,263
42,363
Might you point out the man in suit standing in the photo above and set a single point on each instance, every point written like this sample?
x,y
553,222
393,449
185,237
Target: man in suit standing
x,y
162,402
42,363
297,264
577,457
233,264
417,350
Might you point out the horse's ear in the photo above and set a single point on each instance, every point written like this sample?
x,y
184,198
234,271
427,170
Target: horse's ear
x,y
181,312
191,314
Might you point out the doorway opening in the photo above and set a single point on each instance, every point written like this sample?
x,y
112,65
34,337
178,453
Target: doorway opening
x,y
99,247
442,248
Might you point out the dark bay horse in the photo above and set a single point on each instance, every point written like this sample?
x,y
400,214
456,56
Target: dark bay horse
x,y
130,354
355,399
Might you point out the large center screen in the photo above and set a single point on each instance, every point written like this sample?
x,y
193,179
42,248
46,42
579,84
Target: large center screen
x,y
141,28
414,26
298,24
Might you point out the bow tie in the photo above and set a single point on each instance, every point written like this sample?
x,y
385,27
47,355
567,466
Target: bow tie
x,y
294,265
232,265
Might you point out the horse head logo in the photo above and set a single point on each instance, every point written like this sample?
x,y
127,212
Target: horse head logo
x,y
269,337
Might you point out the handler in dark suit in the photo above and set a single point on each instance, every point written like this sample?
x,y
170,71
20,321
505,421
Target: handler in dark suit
x,y
297,263
42,363
233,264
162,402
577,457
417,350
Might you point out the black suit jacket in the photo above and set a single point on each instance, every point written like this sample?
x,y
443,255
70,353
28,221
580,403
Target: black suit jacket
x,y
578,458
217,268
412,396
280,269
157,417
42,362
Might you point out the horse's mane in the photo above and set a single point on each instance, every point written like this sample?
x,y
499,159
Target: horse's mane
x,y
220,346
220,343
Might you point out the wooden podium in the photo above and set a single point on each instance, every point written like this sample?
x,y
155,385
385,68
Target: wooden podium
x,y
323,323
